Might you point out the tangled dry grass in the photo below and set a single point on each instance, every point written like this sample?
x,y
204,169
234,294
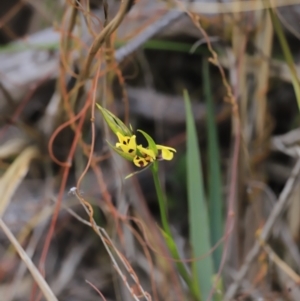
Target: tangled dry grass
x,y
61,184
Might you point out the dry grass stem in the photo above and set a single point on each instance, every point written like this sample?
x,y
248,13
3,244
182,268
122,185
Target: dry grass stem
x,y
266,230
43,285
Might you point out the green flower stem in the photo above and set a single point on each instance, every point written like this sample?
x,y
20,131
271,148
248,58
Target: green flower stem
x,y
169,238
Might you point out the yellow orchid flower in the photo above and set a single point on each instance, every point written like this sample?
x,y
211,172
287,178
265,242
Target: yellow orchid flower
x,y
127,147
140,155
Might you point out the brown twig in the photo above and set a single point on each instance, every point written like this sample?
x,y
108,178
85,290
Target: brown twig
x,y
100,39
107,242
90,157
68,100
95,288
66,168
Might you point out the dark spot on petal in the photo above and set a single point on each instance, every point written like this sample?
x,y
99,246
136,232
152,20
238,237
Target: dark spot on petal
x,y
141,163
137,157
148,160
124,142
130,150
128,140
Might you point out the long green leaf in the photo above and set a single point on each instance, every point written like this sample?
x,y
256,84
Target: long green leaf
x,y
214,180
198,215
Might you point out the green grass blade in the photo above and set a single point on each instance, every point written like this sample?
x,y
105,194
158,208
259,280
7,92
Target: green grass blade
x,y
287,54
154,44
173,46
198,215
214,180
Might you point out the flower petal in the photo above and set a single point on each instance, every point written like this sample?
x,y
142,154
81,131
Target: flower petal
x,y
127,144
167,153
